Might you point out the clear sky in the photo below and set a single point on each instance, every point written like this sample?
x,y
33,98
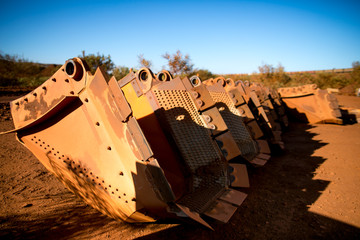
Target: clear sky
x,y
221,36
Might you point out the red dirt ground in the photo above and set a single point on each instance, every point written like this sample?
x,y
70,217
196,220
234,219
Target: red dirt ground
x,y
310,191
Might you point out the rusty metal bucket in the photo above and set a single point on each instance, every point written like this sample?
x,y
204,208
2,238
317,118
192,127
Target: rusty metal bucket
x,y
311,104
135,149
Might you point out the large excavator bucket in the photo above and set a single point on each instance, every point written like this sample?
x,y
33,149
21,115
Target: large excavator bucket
x,y
246,136
311,104
182,143
263,111
81,129
136,150
274,117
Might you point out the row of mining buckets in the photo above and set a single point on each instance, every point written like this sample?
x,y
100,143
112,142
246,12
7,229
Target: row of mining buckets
x,y
147,146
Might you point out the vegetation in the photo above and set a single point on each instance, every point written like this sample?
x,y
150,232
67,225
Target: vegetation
x,y
179,64
120,72
277,77
95,61
144,62
203,74
16,71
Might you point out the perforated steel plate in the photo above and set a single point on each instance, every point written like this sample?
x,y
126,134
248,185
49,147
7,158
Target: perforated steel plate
x,y
195,145
233,120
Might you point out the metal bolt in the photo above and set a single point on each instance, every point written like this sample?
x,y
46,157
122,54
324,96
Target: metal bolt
x,y
195,94
212,126
207,118
199,102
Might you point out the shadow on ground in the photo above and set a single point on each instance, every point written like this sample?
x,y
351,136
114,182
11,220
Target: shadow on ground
x,y
278,200
276,208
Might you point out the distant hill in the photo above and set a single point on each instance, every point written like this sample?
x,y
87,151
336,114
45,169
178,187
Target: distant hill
x,y
25,74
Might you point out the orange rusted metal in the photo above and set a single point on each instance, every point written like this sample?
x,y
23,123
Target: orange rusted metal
x,y
135,149
181,139
262,109
231,106
311,104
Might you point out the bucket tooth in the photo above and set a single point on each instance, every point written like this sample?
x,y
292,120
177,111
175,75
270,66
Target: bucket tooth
x,y
233,196
263,146
239,174
221,211
194,216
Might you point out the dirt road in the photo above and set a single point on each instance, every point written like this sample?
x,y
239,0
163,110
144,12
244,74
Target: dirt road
x,y
310,191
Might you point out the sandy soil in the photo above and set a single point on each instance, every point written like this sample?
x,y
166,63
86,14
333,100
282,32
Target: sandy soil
x,y
310,191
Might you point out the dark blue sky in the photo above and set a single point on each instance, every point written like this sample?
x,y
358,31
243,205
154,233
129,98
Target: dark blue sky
x,y
222,36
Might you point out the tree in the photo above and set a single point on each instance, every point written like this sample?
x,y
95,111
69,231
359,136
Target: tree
x,y
203,74
179,64
95,61
120,72
275,77
143,62
355,75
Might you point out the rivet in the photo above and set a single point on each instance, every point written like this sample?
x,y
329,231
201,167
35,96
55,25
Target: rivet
x,y
199,102
97,124
124,194
44,88
72,93
35,94
133,199
86,100
54,79
108,148
121,174
26,100
17,104
67,80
